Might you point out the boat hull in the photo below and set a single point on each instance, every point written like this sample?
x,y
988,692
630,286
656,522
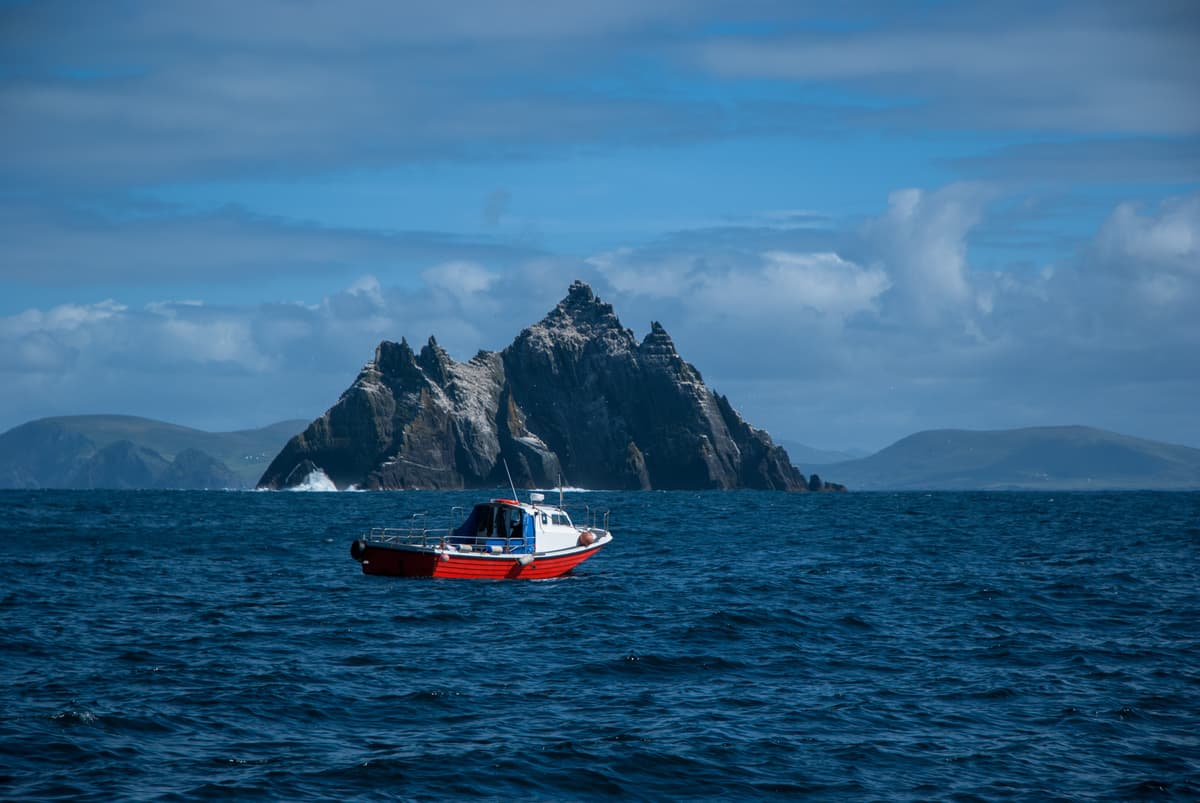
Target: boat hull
x,y
399,561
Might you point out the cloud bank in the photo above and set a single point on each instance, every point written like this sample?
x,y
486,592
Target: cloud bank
x,y
865,344
135,92
858,221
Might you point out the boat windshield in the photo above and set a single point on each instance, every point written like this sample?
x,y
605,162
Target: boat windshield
x,y
493,522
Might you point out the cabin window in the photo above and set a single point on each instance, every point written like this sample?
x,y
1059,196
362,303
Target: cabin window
x,y
544,519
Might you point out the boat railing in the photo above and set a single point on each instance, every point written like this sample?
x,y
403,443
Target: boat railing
x,y
421,532
417,533
595,518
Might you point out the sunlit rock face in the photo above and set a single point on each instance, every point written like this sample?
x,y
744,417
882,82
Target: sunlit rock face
x,y
576,400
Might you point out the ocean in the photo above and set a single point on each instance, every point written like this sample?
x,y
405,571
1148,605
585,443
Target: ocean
x,y
726,645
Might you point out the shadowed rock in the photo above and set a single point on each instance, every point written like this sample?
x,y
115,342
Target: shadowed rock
x,y
575,398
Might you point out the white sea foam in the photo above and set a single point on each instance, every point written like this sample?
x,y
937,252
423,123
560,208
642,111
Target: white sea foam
x,y
317,480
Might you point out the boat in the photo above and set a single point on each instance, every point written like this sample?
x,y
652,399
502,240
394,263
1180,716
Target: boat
x,y
500,539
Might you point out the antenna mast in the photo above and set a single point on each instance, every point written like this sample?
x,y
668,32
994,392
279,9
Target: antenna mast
x,y
510,482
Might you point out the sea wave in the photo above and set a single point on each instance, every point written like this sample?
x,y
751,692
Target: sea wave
x,y
725,645
317,480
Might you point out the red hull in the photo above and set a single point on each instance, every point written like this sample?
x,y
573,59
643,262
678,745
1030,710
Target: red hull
x,y
393,562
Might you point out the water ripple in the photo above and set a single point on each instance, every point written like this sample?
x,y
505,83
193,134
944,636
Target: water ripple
x,y
176,646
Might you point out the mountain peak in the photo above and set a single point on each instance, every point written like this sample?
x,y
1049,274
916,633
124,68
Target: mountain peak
x,y
584,305
434,359
581,318
658,343
580,292
573,396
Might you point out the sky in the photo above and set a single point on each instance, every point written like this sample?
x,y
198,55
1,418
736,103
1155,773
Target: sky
x,y
857,220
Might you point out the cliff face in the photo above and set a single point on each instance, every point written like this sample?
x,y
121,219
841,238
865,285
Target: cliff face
x,y
575,398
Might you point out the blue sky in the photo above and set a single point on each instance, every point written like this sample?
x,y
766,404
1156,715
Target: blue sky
x,y
857,220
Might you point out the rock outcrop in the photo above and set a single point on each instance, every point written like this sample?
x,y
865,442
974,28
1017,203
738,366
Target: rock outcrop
x,y
815,483
575,399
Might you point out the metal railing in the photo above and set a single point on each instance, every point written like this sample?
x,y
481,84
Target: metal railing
x,y
596,519
420,533
417,533
593,518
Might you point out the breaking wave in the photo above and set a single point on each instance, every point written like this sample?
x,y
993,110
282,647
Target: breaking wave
x,y
317,480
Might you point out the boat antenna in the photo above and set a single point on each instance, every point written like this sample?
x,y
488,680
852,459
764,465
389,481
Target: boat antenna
x,y
560,490
510,482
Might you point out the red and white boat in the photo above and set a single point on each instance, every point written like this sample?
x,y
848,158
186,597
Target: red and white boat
x,y
500,539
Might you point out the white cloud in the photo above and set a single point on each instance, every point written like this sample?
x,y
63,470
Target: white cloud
x,y
224,340
793,284
776,287
1169,241
368,289
1145,265
894,325
233,365
461,279
60,319
110,335
630,273
921,242
832,328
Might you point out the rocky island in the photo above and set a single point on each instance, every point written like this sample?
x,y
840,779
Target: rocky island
x,y
575,399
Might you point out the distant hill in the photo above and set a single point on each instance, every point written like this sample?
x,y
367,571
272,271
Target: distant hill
x,y
1060,458
117,451
806,456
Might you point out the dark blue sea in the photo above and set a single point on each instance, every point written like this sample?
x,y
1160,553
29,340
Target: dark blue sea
x,y
748,645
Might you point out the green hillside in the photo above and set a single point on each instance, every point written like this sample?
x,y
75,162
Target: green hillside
x,y
1069,458
94,451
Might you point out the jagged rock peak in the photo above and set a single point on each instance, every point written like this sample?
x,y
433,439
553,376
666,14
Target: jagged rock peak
x,y
583,306
435,360
658,342
582,317
395,363
433,351
391,350
575,395
581,290
390,354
